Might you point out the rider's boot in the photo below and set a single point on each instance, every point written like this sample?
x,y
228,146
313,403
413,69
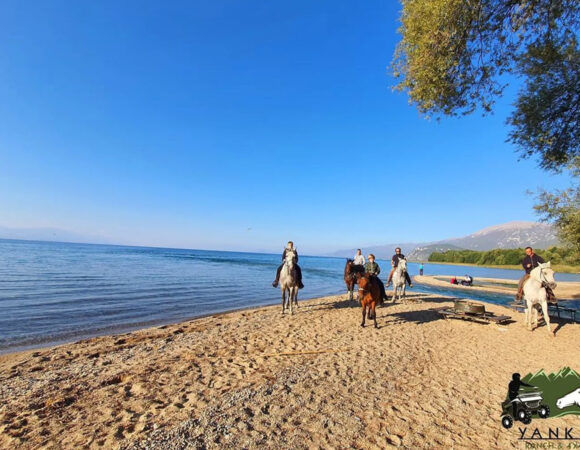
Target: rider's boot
x,y
278,271
390,278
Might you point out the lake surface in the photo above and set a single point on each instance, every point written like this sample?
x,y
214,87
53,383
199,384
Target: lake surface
x,y
52,292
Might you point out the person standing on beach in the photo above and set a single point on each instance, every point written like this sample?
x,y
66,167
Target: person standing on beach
x,y
394,263
289,248
373,268
530,262
421,269
359,259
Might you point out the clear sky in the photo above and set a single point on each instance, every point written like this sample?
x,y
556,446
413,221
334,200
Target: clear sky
x,y
237,125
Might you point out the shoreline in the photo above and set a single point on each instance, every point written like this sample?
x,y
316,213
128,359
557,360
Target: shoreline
x,y
122,329
566,290
256,378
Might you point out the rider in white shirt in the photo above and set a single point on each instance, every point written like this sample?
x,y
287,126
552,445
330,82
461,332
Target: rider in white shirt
x,y
359,259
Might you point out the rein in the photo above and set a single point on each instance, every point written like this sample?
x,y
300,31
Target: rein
x,y
543,282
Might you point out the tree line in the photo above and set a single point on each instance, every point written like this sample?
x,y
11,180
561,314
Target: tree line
x,y
506,256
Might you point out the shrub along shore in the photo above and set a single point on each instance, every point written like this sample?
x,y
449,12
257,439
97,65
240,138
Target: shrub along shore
x,y
563,259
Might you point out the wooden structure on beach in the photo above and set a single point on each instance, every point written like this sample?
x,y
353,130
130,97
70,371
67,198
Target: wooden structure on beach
x,y
475,312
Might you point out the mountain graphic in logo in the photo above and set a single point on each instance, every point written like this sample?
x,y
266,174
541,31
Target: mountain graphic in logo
x,y
554,387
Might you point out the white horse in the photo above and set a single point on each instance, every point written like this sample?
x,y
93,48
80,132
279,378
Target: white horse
x,y
569,399
289,283
399,279
535,294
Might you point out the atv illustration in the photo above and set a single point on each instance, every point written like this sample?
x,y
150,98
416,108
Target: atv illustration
x,y
527,403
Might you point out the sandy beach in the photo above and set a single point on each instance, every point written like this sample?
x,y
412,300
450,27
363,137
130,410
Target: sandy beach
x,y
566,290
253,378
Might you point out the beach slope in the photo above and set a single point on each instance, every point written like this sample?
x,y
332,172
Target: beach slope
x,y
254,378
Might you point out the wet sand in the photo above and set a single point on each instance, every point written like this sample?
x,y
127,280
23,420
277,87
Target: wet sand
x,y
254,378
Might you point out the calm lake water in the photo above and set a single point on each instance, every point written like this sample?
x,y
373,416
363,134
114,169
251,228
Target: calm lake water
x,y
59,292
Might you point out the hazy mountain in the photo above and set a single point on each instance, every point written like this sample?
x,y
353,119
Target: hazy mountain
x,y
49,234
507,235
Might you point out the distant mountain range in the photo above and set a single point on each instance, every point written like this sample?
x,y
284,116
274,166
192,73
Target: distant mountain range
x,y
507,235
49,234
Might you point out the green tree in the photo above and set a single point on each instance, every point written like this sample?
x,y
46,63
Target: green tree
x,y
451,59
453,54
563,208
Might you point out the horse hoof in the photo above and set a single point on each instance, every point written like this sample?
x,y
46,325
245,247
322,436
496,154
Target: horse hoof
x,y
362,325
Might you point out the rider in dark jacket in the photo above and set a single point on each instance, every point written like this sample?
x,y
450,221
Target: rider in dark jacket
x,y
394,263
289,248
529,263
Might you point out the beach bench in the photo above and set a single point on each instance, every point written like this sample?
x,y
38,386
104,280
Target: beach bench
x,y
472,311
554,310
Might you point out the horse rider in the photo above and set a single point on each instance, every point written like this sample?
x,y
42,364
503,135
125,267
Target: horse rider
x,y
289,248
359,259
394,263
373,268
513,390
530,262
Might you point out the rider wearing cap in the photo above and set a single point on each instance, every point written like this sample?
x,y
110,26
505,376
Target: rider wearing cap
x,y
374,269
394,263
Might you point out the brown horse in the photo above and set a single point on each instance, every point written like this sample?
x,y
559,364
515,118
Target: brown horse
x,y
369,294
350,271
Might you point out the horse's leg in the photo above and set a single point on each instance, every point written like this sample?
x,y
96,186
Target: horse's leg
x,y
363,315
529,313
296,297
546,316
283,298
375,314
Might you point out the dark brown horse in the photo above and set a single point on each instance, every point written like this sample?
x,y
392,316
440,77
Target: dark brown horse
x,y
369,294
350,271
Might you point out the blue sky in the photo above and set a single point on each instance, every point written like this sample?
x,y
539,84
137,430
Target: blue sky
x,y
237,125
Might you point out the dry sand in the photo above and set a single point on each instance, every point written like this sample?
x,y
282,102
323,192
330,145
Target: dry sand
x,y
566,290
253,378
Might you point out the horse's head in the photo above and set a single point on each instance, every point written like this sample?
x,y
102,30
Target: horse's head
x,y
290,259
402,265
545,275
569,399
363,281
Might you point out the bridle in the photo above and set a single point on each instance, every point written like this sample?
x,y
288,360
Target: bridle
x,y
362,289
545,283
288,260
